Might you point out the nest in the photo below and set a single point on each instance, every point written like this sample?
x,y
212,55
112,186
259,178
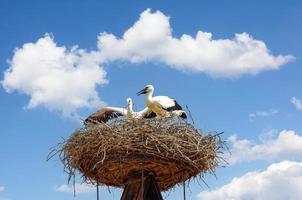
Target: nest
x,y
171,148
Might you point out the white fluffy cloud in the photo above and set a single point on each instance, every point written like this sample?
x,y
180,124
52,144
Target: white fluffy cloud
x,y
65,79
150,39
1,188
297,103
287,145
267,113
79,188
54,76
280,181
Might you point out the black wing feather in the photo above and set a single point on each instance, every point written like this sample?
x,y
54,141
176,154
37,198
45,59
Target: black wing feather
x,y
150,115
102,117
175,107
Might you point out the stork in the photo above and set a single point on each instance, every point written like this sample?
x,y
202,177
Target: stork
x,y
105,114
162,106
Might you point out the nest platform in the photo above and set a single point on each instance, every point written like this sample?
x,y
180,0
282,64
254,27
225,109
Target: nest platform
x,y
110,154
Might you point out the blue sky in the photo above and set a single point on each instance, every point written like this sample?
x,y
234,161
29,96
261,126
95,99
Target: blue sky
x,y
231,84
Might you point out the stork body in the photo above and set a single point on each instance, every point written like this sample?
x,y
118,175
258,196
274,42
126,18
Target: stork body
x,y
162,106
105,114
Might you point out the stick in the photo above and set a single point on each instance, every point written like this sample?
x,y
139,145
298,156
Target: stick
x,y
97,191
184,189
74,189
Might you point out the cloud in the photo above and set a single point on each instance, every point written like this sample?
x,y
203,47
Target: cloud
x,y
287,145
297,103
65,79
150,39
268,113
55,77
280,181
2,188
79,188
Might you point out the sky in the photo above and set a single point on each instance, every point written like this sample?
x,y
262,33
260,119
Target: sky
x,y
235,64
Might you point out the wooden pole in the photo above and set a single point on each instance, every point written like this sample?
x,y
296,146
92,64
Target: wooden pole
x,y
184,190
97,191
135,190
74,189
142,185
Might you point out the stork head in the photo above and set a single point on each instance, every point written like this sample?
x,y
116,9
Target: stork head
x,y
183,114
129,101
180,113
148,89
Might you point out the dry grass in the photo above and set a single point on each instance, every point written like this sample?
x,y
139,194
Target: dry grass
x,y
170,147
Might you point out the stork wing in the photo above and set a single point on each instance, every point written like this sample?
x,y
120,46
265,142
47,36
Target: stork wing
x,y
146,113
167,103
105,114
150,114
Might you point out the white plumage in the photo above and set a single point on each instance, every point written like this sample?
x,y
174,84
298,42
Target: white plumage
x,y
162,106
105,114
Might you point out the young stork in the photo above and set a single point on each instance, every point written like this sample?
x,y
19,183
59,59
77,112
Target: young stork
x,y
105,114
162,106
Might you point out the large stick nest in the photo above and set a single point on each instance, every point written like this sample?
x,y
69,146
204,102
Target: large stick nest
x,y
171,148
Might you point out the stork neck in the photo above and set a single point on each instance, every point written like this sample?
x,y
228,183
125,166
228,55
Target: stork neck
x,y
149,95
129,108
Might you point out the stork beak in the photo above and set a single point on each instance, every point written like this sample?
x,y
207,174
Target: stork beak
x,y
143,91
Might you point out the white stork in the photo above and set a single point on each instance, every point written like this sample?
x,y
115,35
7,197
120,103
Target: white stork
x,y
162,106
107,113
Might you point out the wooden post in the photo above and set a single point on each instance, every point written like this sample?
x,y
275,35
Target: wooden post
x,y
97,191
135,190
184,189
